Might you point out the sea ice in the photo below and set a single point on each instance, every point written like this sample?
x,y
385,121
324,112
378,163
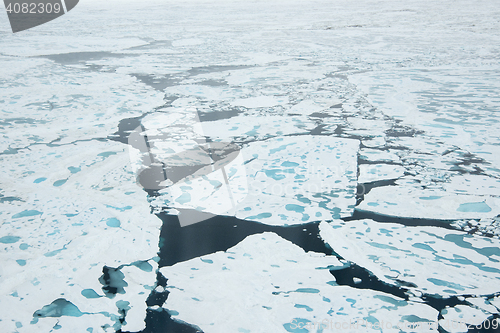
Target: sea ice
x,y
460,318
317,74
413,202
244,289
61,238
380,156
375,172
287,180
429,260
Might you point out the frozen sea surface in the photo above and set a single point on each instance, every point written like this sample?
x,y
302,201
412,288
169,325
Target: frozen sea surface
x,y
264,166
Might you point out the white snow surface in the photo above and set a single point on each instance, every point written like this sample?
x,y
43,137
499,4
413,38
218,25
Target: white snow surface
x,y
428,260
415,82
279,181
65,226
415,202
284,292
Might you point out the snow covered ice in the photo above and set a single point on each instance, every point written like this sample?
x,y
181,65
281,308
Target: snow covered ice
x,y
280,291
264,166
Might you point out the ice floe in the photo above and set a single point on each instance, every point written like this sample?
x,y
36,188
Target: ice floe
x,y
375,172
459,114
245,289
413,202
322,75
427,260
77,210
278,181
257,127
71,114
380,156
461,318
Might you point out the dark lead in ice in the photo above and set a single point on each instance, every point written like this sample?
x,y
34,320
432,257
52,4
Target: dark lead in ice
x,y
219,233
